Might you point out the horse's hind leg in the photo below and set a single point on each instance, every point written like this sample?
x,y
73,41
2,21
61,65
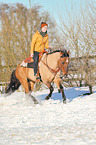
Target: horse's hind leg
x,y
28,88
31,85
58,83
22,78
20,74
25,84
51,90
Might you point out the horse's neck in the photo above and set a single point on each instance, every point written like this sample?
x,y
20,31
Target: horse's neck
x,y
52,59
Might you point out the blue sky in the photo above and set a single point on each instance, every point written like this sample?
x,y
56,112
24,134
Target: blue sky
x,y
57,8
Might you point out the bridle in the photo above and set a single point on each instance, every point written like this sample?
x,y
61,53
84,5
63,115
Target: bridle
x,y
53,71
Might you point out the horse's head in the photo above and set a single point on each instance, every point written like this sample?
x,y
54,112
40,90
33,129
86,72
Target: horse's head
x,y
63,62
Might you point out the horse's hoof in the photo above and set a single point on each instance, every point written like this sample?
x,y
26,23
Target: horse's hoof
x,y
47,98
59,91
34,100
64,101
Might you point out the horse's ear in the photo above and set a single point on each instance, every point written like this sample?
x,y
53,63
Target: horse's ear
x,y
68,51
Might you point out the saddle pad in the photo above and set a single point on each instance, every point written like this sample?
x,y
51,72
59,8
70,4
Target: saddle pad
x,y
28,62
28,65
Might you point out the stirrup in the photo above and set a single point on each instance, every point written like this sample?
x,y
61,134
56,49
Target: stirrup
x,y
37,78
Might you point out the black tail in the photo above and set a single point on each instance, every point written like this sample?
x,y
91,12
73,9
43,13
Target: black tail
x,y
14,84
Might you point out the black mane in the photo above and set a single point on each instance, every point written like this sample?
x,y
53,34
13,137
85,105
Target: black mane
x,y
65,54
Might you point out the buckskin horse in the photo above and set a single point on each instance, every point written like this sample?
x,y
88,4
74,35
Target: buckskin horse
x,y
50,67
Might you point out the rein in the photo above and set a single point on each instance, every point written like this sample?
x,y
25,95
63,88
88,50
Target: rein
x,y
51,69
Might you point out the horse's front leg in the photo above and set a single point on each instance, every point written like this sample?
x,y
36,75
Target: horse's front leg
x,y
49,95
62,92
60,87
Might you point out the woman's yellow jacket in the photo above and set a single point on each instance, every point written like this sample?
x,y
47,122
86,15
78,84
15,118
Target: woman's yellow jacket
x,y
39,43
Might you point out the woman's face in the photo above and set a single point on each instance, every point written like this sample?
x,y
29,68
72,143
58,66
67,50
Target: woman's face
x,y
44,29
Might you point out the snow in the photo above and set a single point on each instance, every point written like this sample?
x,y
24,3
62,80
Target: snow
x,y
50,122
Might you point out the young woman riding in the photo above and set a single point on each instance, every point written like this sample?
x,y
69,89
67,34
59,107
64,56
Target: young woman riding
x,y
40,41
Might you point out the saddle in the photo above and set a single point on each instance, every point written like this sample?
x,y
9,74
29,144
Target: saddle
x,y
28,62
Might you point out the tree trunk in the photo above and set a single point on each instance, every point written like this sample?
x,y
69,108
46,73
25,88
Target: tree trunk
x,y
90,89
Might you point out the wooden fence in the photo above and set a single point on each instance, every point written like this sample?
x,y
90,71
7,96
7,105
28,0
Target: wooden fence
x,y
3,85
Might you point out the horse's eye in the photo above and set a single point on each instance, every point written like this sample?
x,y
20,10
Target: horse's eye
x,y
62,62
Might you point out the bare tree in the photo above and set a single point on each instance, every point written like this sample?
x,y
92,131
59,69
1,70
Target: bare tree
x,y
80,38
18,24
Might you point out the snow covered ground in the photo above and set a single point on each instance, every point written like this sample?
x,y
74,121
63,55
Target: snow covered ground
x,y
51,122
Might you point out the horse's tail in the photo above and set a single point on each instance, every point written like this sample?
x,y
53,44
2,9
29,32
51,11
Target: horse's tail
x,y
13,85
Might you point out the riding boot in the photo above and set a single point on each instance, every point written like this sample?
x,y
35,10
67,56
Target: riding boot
x,y
37,76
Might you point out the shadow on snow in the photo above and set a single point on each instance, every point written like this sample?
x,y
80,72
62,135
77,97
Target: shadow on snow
x,y
70,93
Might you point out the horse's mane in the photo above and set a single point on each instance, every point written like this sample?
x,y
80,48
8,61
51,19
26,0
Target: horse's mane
x,y
65,54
